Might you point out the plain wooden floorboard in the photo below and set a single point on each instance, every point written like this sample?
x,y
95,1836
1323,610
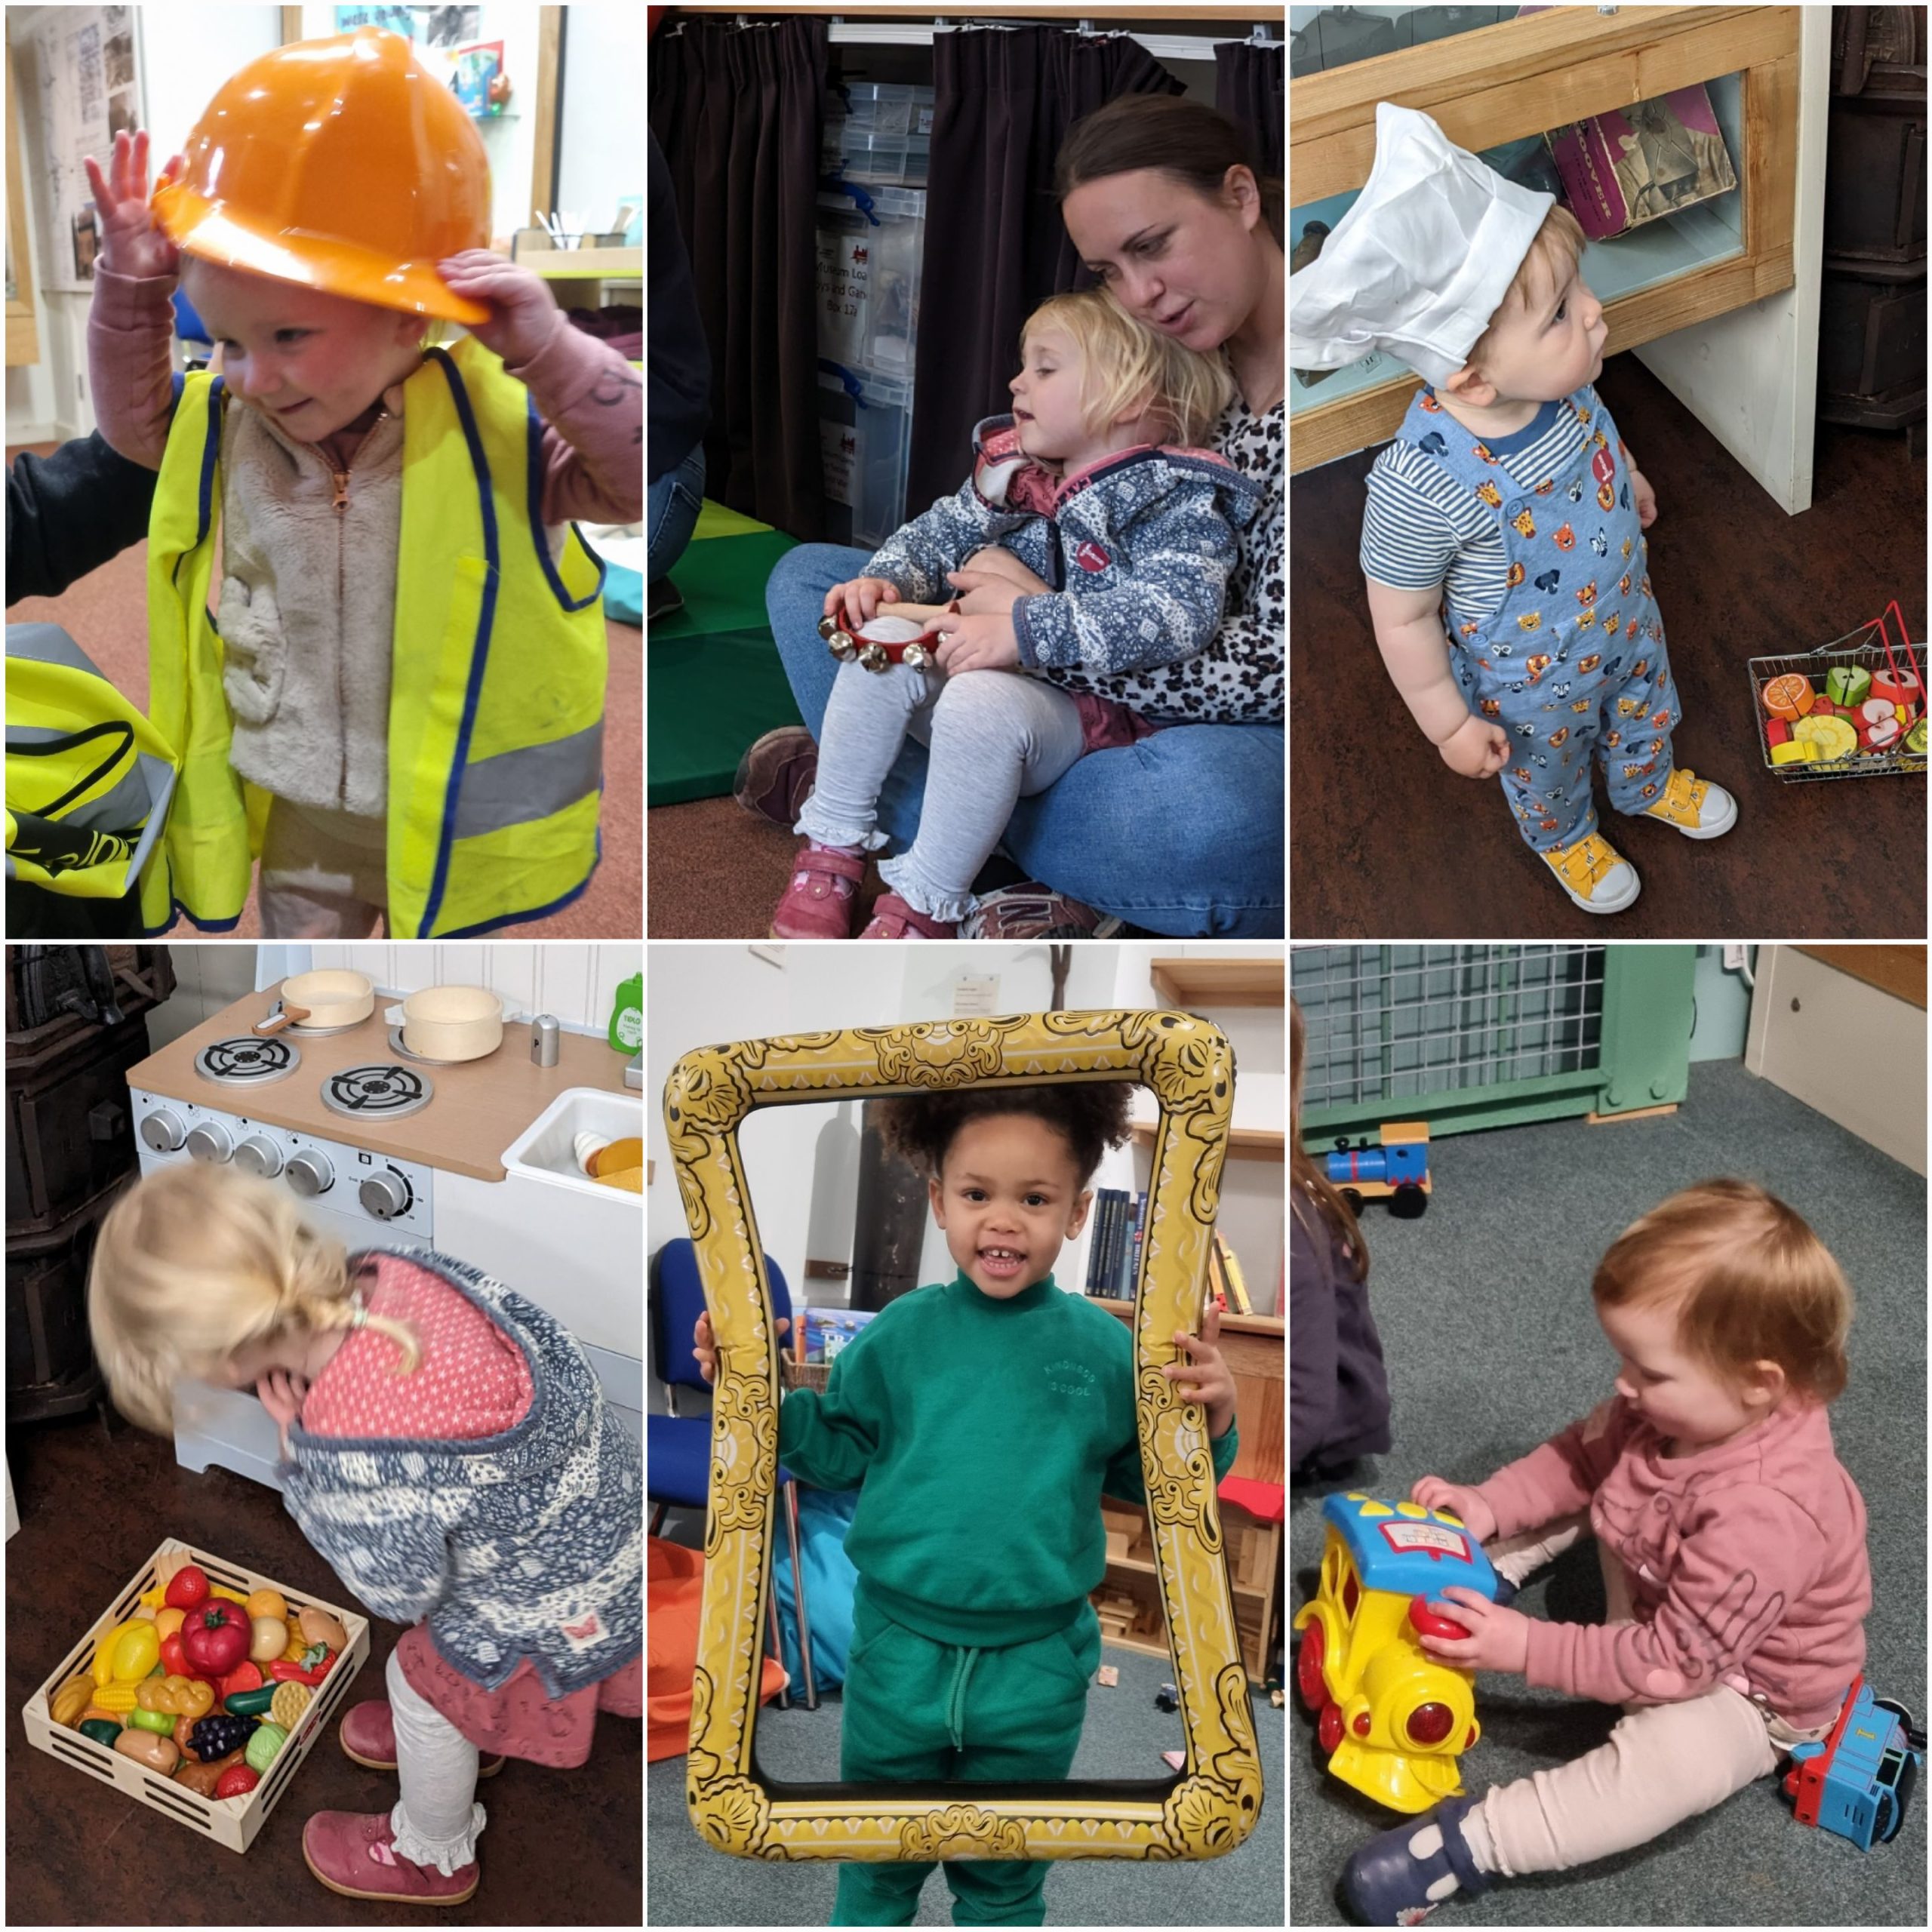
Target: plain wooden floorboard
x,y
1385,842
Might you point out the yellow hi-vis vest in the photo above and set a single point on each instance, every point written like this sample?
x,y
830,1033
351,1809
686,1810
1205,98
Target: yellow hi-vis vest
x,y
496,716
88,778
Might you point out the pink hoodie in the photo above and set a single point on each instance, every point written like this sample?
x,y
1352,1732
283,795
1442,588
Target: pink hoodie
x,y
1746,1562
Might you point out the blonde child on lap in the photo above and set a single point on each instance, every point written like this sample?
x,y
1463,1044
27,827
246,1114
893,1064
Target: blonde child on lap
x,y
1094,489
1733,1546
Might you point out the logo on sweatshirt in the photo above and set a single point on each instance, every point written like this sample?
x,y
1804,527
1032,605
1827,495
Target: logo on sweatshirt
x,y
1071,1378
1091,557
582,1632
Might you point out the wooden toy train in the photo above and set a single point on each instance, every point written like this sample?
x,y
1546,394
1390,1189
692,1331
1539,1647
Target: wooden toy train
x,y
1395,1171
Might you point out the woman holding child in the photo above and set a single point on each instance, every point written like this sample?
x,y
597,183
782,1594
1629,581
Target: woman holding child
x,y
1171,819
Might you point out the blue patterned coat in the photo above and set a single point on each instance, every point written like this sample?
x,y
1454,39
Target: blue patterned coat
x,y
1138,552
528,1544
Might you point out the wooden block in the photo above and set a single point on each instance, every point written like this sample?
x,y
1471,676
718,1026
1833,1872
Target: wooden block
x,y
1116,1545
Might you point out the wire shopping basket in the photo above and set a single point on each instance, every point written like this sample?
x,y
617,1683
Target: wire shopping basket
x,y
1854,708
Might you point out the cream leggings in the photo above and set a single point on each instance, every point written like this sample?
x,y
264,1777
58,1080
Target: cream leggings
x,y
1663,1763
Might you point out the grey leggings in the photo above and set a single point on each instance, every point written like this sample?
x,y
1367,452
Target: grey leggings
x,y
995,737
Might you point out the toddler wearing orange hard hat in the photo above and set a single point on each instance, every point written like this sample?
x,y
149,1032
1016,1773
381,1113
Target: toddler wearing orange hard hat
x,y
399,701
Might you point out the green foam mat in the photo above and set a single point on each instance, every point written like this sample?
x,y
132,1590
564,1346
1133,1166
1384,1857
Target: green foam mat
x,y
716,682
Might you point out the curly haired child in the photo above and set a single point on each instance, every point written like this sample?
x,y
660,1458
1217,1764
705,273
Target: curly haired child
x,y
447,1447
972,1639
1732,1541
1096,485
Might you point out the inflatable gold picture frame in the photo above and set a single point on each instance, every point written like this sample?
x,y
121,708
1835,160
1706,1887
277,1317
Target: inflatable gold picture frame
x,y
1211,1805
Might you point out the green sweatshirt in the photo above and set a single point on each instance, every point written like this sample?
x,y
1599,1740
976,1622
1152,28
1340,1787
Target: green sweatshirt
x,y
979,1435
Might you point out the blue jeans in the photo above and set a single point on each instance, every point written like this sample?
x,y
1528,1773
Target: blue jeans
x,y
676,498
1182,833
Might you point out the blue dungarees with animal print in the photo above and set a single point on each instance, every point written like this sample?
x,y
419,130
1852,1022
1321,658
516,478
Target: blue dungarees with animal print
x,y
1574,659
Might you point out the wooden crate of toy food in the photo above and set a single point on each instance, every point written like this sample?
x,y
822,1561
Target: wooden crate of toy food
x,y
231,1822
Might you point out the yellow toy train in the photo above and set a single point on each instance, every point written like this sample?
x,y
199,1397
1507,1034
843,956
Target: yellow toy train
x,y
1393,1719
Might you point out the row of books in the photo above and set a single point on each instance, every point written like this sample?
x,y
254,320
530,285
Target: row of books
x,y
1113,1255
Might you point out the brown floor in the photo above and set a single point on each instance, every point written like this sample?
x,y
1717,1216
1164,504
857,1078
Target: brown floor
x,y
560,1848
717,871
104,612
1386,842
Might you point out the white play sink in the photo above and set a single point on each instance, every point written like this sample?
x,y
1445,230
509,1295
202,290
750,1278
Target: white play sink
x,y
545,1151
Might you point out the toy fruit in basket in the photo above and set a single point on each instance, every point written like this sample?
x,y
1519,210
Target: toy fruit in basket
x,y
1916,739
1789,696
215,1637
1834,738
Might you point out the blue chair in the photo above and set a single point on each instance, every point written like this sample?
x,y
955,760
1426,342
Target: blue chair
x,y
678,1465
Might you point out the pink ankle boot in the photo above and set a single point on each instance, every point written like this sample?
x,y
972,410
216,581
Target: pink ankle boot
x,y
893,918
813,907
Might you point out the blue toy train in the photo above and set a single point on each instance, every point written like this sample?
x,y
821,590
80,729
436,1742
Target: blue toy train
x,y
1396,1170
1859,1783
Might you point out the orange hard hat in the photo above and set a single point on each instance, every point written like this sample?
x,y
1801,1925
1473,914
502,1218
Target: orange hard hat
x,y
343,165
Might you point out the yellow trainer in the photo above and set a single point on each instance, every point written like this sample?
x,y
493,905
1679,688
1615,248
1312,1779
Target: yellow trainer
x,y
1698,808
1595,875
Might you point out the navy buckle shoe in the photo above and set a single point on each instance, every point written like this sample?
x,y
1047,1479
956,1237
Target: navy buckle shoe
x,y
1386,1884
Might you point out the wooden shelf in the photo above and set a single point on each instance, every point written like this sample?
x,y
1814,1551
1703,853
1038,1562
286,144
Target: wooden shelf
x,y
1524,76
1261,1143
1254,1652
1187,983
1898,970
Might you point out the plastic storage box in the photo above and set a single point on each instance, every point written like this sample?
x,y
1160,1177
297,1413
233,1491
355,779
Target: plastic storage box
x,y
887,107
865,427
230,1823
871,245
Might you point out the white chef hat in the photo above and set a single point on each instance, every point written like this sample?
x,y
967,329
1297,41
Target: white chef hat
x,y
1420,264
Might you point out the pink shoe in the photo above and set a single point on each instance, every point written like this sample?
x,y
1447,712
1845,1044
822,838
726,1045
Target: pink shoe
x,y
354,1853
368,1736
893,918
813,907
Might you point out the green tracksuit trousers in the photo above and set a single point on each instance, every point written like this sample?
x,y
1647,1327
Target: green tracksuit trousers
x,y
917,1711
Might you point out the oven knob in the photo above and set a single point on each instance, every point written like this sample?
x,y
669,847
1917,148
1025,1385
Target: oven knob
x,y
386,1194
162,1131
259,1156
209,1141
310,1172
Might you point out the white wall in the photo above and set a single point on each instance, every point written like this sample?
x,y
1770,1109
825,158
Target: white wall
x,y
576,982
600,148
700,994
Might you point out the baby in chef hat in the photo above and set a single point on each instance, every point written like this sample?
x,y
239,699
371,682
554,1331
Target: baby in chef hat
x,y
1503,542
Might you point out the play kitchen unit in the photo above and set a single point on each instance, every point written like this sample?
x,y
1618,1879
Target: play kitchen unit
x,y
427,1122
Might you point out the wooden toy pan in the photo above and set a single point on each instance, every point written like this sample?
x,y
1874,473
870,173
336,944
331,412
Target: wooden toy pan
x,y
1211,1805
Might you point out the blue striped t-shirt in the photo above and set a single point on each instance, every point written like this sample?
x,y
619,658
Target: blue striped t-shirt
x,y
1422,528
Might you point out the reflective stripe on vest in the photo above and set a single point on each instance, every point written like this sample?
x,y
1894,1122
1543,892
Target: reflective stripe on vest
x,y
497,670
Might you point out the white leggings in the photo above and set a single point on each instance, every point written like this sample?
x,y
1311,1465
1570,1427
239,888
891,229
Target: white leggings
x,y
437,1821
995,737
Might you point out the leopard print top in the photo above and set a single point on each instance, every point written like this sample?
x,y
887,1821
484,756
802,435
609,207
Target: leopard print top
x,y
1239,678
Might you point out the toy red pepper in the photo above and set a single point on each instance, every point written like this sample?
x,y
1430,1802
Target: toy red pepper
x,y
316,1664
215,1636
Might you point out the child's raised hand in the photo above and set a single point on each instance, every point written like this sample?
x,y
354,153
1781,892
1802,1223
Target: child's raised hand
x,y
1479,1518
132,241
523,312
857,602
705,1349
1477,749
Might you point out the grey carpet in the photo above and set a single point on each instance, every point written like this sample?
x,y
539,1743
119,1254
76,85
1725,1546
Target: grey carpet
x,y
1484,1311
688,1883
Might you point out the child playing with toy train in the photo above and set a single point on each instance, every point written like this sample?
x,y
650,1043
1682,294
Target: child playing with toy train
x,y
1732,1541
982,1420
1503,541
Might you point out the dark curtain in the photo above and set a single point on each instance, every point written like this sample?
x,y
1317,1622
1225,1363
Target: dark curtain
x,y
1003,100
736,111
1247,89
